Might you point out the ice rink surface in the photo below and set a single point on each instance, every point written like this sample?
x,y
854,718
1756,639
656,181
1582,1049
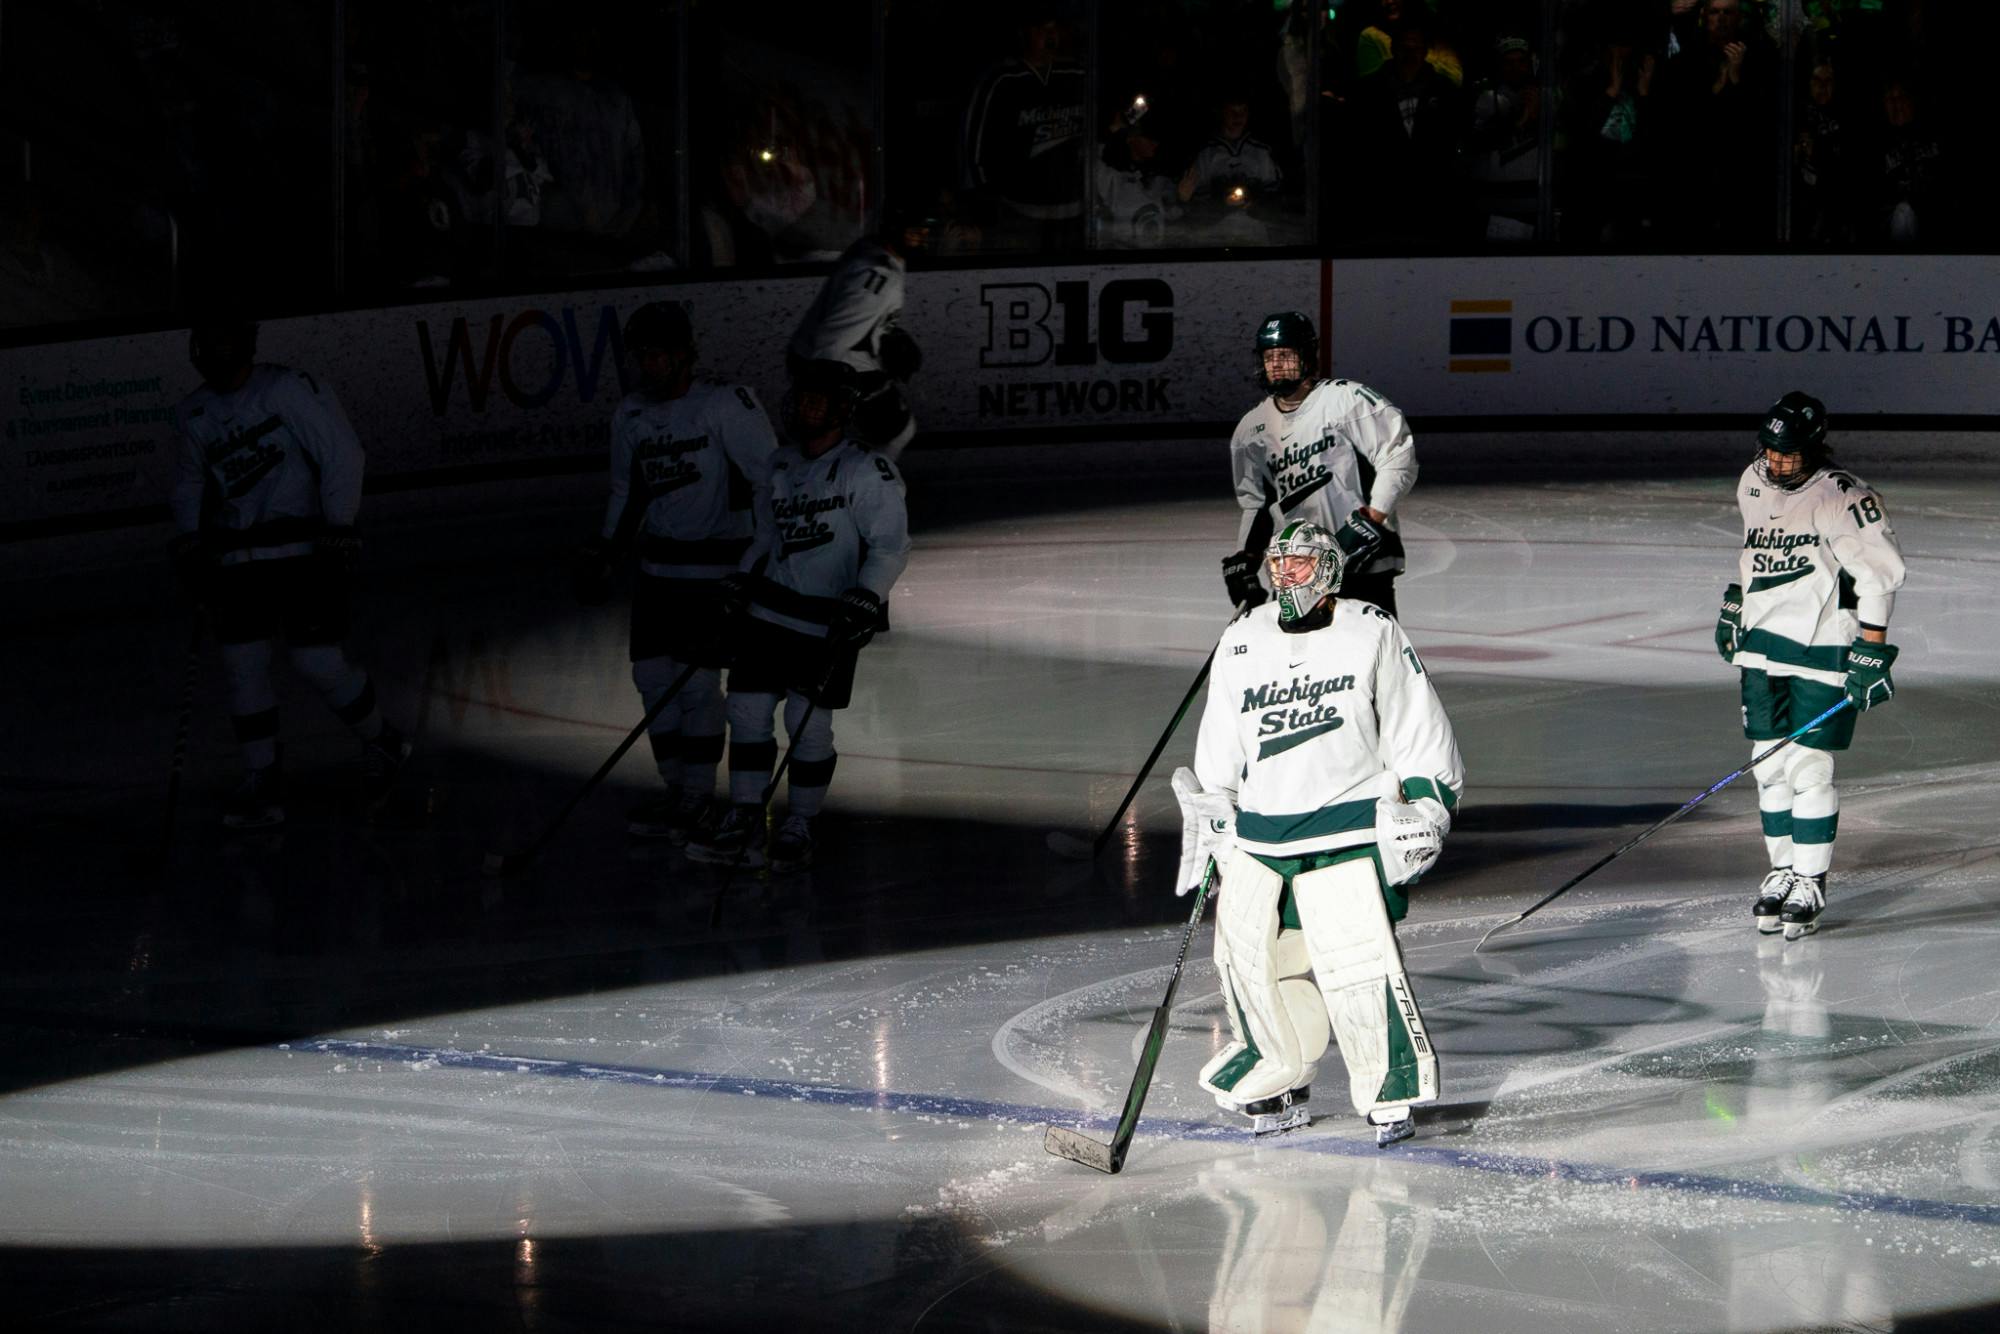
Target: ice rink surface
x,y
336,1079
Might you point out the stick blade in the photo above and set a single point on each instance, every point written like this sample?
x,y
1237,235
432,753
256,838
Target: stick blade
x,y
1070,847
1078,1148
1496,931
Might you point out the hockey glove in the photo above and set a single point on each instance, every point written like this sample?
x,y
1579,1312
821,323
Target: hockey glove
x,y
192,564
1358,539
899,354
590,574
1208,829
1729,623
859,617
340,547
1239,576
1409,835
1868,681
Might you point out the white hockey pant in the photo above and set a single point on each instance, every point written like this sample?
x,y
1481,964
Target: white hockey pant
x,y
751,729
253,693
686,735
1799,806
1364,995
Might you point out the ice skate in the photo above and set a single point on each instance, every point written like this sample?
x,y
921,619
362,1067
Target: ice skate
x,y
1283,1111
792,849
1803,902
674,816
1771,899
1398,1126
382,760
258,801
736,840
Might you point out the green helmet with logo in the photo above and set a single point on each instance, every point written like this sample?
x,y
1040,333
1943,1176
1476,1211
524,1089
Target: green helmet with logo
x,y
1291,329
1795,424
1306,566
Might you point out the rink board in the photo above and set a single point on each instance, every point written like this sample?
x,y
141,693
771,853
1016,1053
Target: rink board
x,y
457,390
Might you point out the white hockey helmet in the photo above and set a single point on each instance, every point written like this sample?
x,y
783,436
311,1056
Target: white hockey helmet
x,y
1306,566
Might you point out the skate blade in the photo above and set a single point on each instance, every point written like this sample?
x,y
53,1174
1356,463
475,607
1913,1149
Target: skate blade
x,y
1272,1123
1799,930
1769,925
1065,1143
1395,1133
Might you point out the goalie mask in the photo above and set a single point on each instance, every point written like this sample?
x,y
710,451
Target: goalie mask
x,y
1288,330
1306,567
1795,431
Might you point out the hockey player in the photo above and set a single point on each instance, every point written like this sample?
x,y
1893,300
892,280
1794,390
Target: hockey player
x,y
853,321
265,499
691,478
842,541
1324,782
1334,452
1807,620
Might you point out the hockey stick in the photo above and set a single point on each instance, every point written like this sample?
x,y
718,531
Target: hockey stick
x,y
1645,834
506,863
1108,1158
1065,844
181,728
771,788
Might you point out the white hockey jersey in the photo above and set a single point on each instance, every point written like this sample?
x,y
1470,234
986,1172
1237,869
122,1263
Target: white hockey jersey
x,y
858,303
692,476
1818,561
265,468
841,522
1344,447
1222,164
1306,731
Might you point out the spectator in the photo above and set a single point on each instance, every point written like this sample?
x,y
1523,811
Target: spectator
x,y
1612,124
587,126
1375,48
1718,109
1909,168
1506,141
1024,135
1821,166
1233,164
1135,197
1409,132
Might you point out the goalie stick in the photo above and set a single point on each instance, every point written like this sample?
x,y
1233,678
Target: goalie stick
x,y
1065,844
506,863
1109,1158
1647,833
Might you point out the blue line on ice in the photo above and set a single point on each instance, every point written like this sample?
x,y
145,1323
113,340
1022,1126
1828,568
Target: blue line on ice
x,y
834,1095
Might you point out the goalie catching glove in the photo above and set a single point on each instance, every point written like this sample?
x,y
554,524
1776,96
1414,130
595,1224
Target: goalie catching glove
x,y
1208,829
1409,835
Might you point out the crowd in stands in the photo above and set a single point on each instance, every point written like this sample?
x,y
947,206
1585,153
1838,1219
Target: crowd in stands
x,y
156,141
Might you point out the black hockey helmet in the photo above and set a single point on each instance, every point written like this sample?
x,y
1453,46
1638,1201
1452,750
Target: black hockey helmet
x,y
222,342
1288,329
822,398
1795,424
659,326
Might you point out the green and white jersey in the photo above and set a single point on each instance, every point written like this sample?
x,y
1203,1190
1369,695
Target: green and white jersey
x,y
1344,447
692,476
1817,563
1306,731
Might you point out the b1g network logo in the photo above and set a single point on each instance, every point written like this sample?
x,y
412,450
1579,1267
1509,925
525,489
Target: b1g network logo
x,y
1126,322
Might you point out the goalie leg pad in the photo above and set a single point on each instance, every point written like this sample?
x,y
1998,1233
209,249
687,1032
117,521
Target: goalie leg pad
x,y
1276,1018
1390,1062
